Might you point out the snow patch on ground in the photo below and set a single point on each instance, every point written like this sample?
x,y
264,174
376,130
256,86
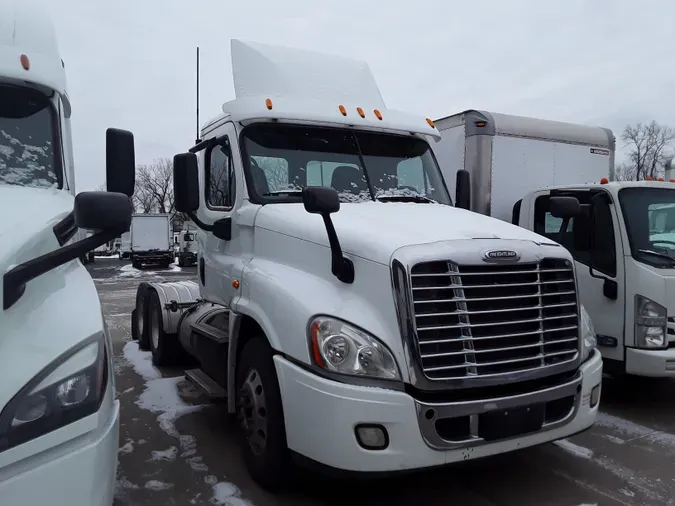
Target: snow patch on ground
x,y
128,447
139,360
576,450
161,397
227,494
157,485
129,271
168,454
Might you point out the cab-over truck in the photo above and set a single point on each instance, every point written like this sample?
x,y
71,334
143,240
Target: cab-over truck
x,y
621,234
350,315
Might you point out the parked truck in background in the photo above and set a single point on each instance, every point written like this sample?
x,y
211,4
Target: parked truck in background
x,y
125,246
556,179
151,240
352,317
187,249
59,418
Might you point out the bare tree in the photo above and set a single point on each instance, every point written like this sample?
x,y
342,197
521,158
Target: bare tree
x,y
650,149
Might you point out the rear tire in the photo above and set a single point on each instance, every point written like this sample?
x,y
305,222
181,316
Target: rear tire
x,y
142,328
260,412
165,347
134,325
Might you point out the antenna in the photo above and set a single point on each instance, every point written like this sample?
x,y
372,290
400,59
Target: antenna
x,y
198,139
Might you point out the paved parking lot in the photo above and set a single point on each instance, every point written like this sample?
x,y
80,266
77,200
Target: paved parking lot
x,y
176,448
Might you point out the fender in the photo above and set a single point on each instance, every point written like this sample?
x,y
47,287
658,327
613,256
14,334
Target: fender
x,y
271,291
175,297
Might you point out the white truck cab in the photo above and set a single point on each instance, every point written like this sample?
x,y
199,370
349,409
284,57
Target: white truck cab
x,y
59,417
621,234
352,317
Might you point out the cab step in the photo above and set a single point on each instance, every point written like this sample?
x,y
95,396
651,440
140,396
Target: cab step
x,y
202,381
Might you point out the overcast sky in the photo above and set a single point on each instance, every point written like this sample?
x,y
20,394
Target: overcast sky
x,y
131,64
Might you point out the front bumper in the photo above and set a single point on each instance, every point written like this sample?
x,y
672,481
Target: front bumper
x,y
80,472
321,416
652,363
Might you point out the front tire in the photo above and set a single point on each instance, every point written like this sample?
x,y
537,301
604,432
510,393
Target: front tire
x,y
142,327
261,417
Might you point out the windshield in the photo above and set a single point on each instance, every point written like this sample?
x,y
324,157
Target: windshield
x,y
649,214
361,166
28,142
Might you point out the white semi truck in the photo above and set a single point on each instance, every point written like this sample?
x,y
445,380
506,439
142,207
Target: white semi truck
x,y
534,173
352,316
187,245
59,419
151,240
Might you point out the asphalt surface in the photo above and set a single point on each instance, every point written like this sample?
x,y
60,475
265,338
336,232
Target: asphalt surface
x,y
177,448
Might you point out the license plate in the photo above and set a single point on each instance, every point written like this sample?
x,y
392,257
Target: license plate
x,y
504,423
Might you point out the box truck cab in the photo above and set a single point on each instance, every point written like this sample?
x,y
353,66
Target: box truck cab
x,y
352,317
59,419
528,171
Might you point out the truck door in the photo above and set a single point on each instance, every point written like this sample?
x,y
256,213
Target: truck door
x,y
601,292
217,257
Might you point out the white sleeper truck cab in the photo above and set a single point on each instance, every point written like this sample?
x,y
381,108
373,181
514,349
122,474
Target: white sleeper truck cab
x,y
533,173
59,419
352,317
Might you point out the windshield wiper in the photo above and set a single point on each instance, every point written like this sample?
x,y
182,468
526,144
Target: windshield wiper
x,y
405,198
657,254
282,192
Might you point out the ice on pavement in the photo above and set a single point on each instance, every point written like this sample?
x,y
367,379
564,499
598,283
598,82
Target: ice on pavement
x,y
157,485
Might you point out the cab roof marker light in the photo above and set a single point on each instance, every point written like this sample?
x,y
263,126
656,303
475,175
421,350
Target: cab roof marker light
x,y
649,178
342,110
604,180
377,114
661,179
268,103
430,123
361,113
25,62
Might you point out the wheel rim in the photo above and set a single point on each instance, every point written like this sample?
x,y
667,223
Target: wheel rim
x,y
253,412
154,327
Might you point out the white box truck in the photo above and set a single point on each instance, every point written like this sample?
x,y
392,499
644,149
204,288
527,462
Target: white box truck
x,y
151,240
523,170
59,418
352,317
125,245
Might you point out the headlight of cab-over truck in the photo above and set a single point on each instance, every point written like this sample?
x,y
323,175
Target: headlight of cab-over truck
x,y
341,348
651,320
589,341
69,389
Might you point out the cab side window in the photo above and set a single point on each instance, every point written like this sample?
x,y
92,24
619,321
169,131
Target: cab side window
x,y
577,237
219,176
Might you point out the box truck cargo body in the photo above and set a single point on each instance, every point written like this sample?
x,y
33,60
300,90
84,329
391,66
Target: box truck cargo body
x,y
151,240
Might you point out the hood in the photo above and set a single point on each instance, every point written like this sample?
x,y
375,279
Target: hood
x,y
28,215
375,230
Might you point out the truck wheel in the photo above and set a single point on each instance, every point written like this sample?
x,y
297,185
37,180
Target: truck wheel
x,y
261,417
164,347
142,330
134,325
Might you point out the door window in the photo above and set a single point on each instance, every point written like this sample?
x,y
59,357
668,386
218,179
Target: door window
x,y
219,176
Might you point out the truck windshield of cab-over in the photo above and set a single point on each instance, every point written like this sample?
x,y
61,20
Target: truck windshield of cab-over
x,y
649,214
282,159
28,139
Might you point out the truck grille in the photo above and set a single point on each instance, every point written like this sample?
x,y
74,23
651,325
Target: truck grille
x,y
491,320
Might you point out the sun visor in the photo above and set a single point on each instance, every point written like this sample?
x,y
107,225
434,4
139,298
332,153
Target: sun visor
x,y
275,71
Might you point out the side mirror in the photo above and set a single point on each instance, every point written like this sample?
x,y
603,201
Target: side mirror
x,y
120,161
565,207
186,182
463,190
103,211
320,200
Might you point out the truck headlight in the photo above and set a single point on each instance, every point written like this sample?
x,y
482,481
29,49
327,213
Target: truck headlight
x,y
70,388
589,341
344,349
651,320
